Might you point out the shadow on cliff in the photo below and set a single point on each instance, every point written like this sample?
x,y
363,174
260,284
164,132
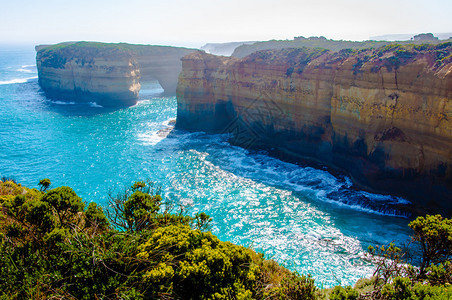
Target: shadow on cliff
x,y
74,109
32,97
149,90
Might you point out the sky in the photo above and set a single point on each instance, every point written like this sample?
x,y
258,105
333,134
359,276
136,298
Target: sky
x,y
194,23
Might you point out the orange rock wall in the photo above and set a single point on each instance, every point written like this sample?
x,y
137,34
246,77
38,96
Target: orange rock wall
x,y
383,116
109,74
108,81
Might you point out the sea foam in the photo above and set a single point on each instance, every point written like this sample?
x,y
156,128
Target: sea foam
x,y
17,80
94,104
62,102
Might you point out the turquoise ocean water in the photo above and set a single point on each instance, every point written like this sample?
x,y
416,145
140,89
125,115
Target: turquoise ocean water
x,y
303,217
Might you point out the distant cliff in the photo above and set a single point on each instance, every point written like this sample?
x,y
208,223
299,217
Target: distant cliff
x,y
322,42
225,49
384,116
109,74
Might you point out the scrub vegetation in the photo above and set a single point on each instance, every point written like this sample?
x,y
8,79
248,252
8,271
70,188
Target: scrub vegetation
x,y
55,246
330,44
56,56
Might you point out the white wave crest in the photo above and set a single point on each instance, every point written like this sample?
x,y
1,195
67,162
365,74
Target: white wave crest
x,y
27,69
17,80
321,184
151,138
94,104
24,70
62,102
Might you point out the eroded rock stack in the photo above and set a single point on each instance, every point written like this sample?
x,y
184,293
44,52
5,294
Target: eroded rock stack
x,y
108,74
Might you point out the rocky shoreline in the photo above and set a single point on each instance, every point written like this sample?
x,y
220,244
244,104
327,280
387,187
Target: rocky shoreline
x,y
384,116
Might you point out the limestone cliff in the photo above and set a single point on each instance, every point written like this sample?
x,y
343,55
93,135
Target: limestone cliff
x,y
161,63
384,116
109,74
89,74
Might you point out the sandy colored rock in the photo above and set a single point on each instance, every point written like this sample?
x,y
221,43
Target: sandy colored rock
x,y
108,74
383,116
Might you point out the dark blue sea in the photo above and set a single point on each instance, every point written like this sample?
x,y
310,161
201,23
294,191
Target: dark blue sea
x,y
303,217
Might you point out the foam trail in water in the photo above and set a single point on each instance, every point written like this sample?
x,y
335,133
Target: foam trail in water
x,y
62,102
17,80
320,183
94,104
151,138
242,193
25,70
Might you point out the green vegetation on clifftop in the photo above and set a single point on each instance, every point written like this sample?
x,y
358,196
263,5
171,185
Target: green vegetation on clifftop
x,y
56,55
322,42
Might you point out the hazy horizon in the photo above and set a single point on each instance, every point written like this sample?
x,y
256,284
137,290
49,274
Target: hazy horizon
x,y
192,24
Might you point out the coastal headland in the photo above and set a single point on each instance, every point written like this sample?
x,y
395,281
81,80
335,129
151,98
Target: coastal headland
x,y
384,116
108,74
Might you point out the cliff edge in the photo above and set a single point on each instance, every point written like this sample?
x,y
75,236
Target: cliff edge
x,y
382,115
108,74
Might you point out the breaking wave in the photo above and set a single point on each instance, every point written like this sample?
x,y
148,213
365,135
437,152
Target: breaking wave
x,y
17,80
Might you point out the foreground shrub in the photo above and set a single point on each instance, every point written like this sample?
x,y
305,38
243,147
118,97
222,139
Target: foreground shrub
x,y
347,293
434,234
396,278
295,287
51,246
192,264
403,288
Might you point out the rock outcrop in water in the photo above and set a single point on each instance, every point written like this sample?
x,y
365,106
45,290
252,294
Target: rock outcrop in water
x,y
384,116
109,74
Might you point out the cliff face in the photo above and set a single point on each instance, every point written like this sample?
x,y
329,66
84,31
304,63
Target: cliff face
x,y
384,116
161,63
90,74
108,74
225,49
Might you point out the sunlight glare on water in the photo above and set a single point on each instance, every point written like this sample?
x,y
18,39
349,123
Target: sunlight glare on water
x,y
305,218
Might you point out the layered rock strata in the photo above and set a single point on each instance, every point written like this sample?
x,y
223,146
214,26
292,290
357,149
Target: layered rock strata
x,y
383,116
161,63
89,74
108,74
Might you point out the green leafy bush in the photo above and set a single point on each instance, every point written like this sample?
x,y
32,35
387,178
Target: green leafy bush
x,y
347,293
403,288
52,247
196,265
434,234
297,287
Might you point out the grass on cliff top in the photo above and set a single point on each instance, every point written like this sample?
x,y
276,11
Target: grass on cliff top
x,y
56,56
391,57
321,42
136,48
